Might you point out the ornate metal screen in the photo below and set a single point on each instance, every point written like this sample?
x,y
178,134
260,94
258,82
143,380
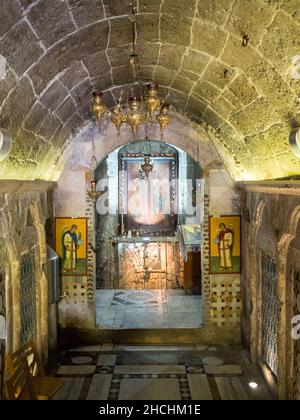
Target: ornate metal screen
x,y
270,312
2,342
28,298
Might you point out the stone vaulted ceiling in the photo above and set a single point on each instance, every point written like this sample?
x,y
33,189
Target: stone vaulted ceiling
x,y
229,64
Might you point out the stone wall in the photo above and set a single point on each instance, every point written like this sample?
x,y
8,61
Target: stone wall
x,y
24,208
271,226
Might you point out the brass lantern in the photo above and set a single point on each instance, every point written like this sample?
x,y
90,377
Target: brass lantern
x,y
163,118
93,193
147,167
152,101
136,117
98,108
118,118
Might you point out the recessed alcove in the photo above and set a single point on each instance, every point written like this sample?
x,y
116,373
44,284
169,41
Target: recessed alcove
x,y
142,278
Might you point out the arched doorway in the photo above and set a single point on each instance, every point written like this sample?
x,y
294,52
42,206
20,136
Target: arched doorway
x,y
147,275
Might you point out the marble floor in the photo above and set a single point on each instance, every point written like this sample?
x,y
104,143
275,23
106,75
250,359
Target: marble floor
x,y
147,309
199,372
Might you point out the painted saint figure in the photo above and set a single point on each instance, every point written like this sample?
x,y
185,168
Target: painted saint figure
x,y
224,239
71,240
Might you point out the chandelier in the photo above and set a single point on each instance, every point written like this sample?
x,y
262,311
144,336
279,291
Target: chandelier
x,y
149,109
137,110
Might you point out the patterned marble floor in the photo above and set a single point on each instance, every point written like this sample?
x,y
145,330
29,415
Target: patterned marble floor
x,y
108,372
147,308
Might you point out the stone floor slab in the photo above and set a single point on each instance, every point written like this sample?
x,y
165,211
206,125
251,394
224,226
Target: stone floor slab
x,y
138,369
99,389
70,390
199,387
76,370
106,360
223,370
149,389
231,389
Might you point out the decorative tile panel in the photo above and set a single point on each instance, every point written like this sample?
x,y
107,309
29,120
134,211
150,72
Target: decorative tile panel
x,y
270,312
205,255
91,260
225,301
76,290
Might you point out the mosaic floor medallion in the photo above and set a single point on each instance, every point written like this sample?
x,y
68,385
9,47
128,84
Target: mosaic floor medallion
x,y
139,297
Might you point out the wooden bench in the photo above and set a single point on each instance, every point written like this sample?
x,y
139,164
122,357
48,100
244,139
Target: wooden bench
x,y
28,380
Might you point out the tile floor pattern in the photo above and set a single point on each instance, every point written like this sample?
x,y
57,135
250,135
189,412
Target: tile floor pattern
x,y
148,308
198,372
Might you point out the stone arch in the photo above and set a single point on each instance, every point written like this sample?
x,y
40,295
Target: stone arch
x,y
199,54
183,146
265,242
6,311
41,279
254,258
25,238
10,264
286,269
181,133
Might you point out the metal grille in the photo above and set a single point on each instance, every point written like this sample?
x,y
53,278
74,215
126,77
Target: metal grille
x,y
28,289
2,342
270,313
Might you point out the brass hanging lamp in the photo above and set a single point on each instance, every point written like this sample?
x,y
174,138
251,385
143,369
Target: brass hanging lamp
x,y
98,108
92,192
147,166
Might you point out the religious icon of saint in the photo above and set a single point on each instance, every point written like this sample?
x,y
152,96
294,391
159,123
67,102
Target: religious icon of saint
x,y
71,241
224,239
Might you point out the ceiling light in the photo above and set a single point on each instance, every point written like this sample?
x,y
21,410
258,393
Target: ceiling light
x,y
253,385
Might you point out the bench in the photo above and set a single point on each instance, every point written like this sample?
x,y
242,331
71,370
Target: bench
x,y
28,380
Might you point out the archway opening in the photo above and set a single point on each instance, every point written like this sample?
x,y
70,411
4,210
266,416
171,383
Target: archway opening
x,y
148,238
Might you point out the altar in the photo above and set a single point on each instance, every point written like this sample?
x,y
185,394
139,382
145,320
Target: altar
x,y
149,263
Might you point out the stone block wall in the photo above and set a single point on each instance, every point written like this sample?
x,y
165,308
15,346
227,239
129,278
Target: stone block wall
x,y
2,341
24,209
271,215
